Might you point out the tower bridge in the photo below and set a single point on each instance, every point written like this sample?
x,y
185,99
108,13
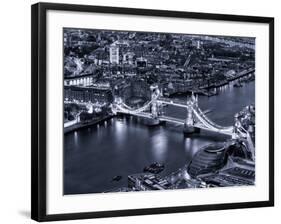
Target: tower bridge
x,y
195,120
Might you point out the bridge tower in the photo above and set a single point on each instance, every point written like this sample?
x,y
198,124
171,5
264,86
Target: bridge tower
x,y
237,125
192,102
90,107
154,104
155,107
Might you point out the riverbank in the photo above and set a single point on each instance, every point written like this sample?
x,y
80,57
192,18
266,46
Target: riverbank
x,y
84,125
210,89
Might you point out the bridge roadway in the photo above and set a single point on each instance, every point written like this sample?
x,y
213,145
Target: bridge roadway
x,y
197,125
161,118
172,102
177,121
172,119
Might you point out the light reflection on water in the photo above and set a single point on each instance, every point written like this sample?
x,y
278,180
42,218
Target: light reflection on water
x,y
75,138
159,146
120,133
188,144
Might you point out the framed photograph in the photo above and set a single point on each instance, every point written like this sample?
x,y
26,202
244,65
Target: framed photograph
x,y
140,111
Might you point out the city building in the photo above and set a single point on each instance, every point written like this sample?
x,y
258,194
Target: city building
x,y
237,172
87,94
85,80
208,160
147,181
114,54
128,58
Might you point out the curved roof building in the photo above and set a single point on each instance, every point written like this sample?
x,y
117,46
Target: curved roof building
x,y
208,160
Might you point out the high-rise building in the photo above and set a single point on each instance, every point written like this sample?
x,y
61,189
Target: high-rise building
x,y
198,44
114,54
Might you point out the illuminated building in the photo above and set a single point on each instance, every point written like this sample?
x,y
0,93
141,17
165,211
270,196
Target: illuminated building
x,y
114,54
87,94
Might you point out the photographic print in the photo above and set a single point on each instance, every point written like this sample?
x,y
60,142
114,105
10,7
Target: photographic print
x,y
144,111
150,111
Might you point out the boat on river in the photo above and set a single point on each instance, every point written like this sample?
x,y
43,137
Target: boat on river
x,y
154,168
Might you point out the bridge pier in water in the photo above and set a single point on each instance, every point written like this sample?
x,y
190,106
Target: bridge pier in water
x,y
189,130
189,127
152,121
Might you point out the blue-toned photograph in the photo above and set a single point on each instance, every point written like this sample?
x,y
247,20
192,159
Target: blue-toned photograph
x,y
148,111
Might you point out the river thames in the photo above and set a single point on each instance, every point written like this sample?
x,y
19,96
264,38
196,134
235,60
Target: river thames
x,y
124,146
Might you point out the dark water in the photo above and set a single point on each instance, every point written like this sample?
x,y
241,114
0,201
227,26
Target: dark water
x,y
123,146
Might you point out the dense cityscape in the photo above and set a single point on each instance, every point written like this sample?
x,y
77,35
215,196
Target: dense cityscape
x,y
157,82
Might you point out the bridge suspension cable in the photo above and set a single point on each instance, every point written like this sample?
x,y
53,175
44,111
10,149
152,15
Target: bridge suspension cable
x,y
227,130
202,114
127,109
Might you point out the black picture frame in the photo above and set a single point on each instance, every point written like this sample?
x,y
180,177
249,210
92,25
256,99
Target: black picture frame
x,y
38,109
